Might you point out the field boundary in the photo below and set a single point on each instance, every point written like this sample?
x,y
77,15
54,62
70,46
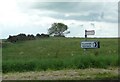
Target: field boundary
x,y
71,74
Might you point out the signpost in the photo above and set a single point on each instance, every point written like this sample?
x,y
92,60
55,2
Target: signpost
x,y
89,44
89,32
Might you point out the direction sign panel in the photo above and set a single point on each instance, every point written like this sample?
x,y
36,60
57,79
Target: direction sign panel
x,y
90,44
89,32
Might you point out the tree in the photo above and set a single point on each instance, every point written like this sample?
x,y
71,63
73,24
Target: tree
x,y
57,29
38,35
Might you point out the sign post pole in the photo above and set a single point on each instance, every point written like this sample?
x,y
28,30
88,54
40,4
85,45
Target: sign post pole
x,y
85,40
85,35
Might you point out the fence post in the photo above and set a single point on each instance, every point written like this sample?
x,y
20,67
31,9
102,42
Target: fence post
x,y
85,50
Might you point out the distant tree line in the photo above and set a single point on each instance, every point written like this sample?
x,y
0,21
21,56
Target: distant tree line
x,y
24,37
56,29
42,35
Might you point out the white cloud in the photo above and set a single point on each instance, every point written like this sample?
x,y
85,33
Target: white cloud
x,y
70,0
101,29
16,16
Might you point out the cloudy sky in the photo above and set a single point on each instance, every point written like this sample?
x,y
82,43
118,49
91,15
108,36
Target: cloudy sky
x,y
36,16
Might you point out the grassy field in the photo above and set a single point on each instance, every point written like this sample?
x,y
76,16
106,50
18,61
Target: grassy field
x,y
57,54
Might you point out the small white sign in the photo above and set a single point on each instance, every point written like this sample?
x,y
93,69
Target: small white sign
x,y
89,32
90,44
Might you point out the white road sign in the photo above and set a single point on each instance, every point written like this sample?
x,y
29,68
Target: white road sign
x,y
90,44
89,32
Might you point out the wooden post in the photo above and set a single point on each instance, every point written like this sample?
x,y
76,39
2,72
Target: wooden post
x,y
85,40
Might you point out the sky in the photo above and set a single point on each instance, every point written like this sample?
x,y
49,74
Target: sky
x,y
37,16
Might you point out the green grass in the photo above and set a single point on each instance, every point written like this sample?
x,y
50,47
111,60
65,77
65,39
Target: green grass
x,y
56,54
